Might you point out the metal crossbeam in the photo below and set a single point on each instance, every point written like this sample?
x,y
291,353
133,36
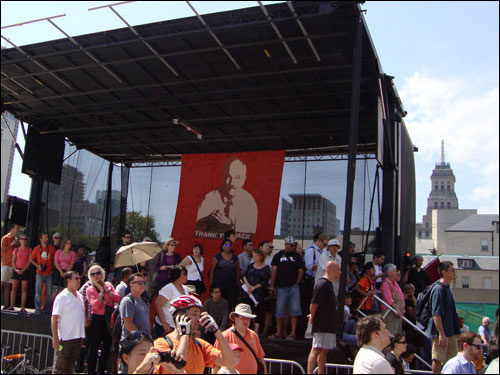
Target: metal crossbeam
x,y
278,33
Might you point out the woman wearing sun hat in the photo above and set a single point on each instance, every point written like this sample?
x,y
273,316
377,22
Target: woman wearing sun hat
x,y
252,359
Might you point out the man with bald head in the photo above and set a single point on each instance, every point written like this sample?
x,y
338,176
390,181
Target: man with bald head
x,y
229,207
323,318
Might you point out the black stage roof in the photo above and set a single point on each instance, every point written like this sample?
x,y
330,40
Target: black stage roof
x,y
260,78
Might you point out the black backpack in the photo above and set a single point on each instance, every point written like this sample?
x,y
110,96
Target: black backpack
x,y
424,308
116,321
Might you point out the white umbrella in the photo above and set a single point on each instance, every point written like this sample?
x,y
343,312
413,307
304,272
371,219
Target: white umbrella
x,y
135,253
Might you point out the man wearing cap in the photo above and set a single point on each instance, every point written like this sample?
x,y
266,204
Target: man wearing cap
x,y
333,247
245,338
287,272
56,240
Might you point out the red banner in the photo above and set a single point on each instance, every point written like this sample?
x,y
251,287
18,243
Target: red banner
x,y
432,269
219,192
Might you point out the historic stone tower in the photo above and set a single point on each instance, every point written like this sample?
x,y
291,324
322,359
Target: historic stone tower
x,y
442,195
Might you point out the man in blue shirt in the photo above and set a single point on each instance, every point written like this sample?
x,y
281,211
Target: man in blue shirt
x,y
444,327
484,333
469,346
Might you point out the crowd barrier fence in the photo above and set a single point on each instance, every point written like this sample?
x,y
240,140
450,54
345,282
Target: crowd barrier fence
x,y
42,354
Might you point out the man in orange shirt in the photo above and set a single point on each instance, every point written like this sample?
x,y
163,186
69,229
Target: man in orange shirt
x,y
9,243
43,259
366,288
249,361
200,354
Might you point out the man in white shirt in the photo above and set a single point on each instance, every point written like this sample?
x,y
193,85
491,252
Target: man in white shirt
x,y
122,287
68,324
332,254
374,337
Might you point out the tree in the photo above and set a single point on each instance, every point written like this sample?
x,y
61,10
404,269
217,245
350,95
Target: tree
x,y
141,226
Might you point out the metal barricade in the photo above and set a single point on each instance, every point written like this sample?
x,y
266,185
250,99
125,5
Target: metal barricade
x,y
42,354
337,369
289,366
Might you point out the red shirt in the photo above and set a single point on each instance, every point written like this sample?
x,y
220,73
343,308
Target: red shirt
x,y
44,256
22,257
366,284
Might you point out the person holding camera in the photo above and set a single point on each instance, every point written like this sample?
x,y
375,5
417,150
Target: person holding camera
x,y
186,312
139,356
43,259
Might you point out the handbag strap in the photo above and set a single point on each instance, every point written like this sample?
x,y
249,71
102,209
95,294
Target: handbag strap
x,y
246,343
198,268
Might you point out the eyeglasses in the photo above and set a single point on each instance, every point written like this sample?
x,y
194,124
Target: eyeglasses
x,y
127,236
57,238
95,273
478,347
402,342
140,282
228,245
172,244
292,244
23,239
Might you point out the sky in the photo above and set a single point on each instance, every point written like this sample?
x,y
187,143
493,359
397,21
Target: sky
x,y
443,56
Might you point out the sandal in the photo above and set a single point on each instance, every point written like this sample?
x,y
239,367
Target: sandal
x,y
290,338
275,337
10,308
23,310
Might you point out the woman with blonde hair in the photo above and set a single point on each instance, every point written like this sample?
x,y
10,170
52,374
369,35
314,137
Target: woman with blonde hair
x,y
100,294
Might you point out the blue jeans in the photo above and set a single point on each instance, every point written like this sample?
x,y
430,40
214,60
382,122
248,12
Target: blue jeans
x,y
288,296
38,291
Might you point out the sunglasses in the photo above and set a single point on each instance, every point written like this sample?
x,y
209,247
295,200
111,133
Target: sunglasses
x,y
478,347
136,335
23,239
95,273
402,342
140,282
127,236
292,245
228,245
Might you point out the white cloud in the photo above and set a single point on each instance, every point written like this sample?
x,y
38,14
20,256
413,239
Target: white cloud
x,y
468,121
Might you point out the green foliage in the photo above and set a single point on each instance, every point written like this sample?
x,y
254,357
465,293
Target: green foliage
x,y
141,226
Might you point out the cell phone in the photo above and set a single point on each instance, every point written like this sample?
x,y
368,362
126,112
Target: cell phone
x,y
167,358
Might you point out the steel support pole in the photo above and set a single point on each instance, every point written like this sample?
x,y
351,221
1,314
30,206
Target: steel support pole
x,y
351,166
107,209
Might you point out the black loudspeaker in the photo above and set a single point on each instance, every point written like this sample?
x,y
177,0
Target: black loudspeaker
x,y
17,211
43,156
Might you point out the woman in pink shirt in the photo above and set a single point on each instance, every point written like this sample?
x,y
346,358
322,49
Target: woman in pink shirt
x,y
64,260
21,259
393,296
100,294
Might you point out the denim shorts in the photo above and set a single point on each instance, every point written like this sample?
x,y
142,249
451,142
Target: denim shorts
x,y
288,296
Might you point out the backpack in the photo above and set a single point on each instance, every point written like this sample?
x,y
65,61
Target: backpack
x,y
424,308
116,321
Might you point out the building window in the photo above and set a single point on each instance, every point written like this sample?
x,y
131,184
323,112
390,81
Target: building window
x,y
442,187
465,282
419,234
448,205
435,204
427,225
442,204
426,234
448,187
487,283
484,245
465,263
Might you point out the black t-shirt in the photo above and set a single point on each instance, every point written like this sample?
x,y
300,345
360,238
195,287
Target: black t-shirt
x,y
419,279
391,358
288,268
325,319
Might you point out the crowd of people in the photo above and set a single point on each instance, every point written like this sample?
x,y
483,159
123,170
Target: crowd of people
x,y
149,317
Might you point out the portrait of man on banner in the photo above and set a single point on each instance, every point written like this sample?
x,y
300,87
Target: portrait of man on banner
x,y
229,206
